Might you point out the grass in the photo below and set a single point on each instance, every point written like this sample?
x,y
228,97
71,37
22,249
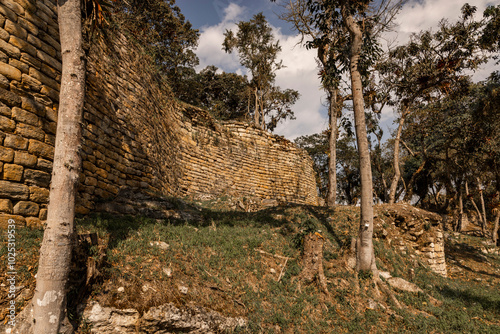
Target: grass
x,y
217,259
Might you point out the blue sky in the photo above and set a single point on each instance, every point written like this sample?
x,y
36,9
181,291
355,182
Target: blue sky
x,y
213,17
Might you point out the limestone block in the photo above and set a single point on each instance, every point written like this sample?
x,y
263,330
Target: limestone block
x,y
37,21
40,149
31,83
30,27
14,190
33,106
39,195
37,178
91,181
51,114
82,210
24,68
15,7
6,205
25,159
51,140
44,165
16,30
49,40
4,35
30,60
44,79
20,115
8,13
4,82
12,172
22,45
48,7
102,173
33,222
9,98
51,72
5,220
25,208
30,131
49,60
9,49
16,142
6,154
10,72
50,127
43,214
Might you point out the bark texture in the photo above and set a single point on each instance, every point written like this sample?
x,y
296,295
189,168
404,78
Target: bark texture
x,y
312,261
332,162
49,300
397,171
495,228
364,257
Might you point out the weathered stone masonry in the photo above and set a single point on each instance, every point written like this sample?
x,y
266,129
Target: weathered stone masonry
x,y
135,134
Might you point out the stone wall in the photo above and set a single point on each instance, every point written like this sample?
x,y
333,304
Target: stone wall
x,y
136,135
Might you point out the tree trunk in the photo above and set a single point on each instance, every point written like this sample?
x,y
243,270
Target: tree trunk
x,y
479,215
365,260
397,171
483,226
332,162
256,113
49,300
460,219
495,228
312,261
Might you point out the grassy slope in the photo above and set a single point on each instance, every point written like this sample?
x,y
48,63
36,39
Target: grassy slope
x,y
216,257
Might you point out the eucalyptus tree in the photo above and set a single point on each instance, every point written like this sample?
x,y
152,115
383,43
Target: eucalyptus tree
x,y
330,43
362,20
257,50
429,67
49,300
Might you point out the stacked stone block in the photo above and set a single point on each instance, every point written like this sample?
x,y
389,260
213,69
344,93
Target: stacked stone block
x,y
135,135
29,83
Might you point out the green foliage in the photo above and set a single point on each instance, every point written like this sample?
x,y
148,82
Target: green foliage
x,y
161,28
258,52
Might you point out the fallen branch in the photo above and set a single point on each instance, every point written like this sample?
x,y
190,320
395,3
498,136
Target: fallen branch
x,y
273,255
282,269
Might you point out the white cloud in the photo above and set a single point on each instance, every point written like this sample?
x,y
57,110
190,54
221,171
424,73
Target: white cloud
x,y
299,73
301,70
209,49
417,15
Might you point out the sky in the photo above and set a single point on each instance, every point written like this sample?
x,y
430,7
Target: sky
x,y
213,17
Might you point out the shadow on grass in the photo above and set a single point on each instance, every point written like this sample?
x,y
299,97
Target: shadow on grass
x,y
457,251
470,297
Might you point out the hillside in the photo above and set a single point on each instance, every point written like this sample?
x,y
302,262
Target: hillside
x,y
214,266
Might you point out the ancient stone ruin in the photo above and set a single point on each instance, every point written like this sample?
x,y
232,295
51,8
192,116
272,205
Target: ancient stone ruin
x,y
136,135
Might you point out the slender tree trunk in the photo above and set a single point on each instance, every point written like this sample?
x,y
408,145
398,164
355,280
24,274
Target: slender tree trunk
x,y
332,162
365,260
256,113
494,236
397,171
479,215
49,300
483,226
459,225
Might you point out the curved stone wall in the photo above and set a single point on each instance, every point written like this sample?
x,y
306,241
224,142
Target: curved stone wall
x,y
136,135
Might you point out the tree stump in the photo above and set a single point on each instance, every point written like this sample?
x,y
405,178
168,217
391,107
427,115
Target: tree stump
x,y
312,260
